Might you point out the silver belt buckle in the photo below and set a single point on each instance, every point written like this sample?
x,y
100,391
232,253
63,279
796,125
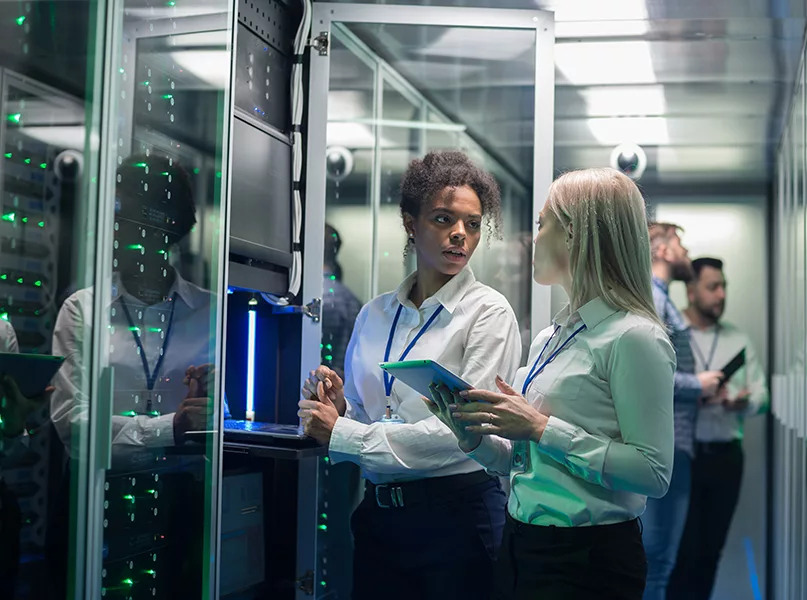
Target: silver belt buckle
x,y
395,494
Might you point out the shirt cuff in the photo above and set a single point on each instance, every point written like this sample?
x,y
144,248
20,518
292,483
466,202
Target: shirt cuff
x,y
557,438
487,454
347,439
159,431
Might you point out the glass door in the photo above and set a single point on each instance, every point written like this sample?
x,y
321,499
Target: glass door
x,y
159,298
387,85
50,90
394,83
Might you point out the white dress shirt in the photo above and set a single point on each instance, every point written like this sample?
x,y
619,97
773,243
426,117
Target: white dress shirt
x,y
609,440
191,342
475,336
715,423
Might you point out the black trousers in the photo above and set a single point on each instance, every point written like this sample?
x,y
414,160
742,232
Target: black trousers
x,y
717,473
443,549
605,562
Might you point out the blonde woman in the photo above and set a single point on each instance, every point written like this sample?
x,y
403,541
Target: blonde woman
x,y
586,432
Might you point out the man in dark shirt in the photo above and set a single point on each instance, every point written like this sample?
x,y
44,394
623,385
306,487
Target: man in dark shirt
x,y
340,307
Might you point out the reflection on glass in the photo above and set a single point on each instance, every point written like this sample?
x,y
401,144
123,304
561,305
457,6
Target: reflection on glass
x,y
48,141
400,91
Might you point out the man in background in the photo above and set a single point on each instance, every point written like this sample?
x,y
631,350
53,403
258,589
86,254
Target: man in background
x,y
340,306
665,518
717,468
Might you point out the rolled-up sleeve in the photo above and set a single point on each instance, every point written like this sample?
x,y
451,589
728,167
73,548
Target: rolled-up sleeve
x,y
641,373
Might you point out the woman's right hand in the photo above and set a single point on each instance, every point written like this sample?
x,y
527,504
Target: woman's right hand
x,y
442,398
332,384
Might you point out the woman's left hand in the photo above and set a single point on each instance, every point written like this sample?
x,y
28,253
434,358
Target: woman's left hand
x,y
507,414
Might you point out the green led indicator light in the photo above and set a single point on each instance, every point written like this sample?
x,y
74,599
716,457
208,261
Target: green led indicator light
x,y
322,583
324,516
120,70
155,329
196,171
146,82
20,21
130,498
10,217
327,459
151,572
161,252
151,491
328,357
323,527
329,347
128,413
25,219
154,413
165,173
9,155
128,582
41,223
333,277
38,283
43,165
4,316
171,3
168,96
27,161
136,329
140,165
15,118
3,276
135,247
20,280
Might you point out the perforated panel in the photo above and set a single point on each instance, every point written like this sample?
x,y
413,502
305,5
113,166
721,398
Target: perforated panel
x,y
270,20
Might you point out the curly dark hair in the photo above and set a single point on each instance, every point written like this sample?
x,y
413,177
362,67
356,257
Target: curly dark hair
x,y
427,177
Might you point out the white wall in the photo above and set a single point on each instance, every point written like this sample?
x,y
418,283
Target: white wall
x,y
734,230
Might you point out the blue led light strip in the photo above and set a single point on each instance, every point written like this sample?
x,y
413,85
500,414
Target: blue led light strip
x,y
251,368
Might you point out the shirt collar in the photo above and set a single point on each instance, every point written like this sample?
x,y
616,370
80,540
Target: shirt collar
x,y
448,296
181,287
591,314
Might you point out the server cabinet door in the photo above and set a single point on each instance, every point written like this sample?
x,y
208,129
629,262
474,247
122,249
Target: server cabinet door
x,y
388,84
50,91
159,297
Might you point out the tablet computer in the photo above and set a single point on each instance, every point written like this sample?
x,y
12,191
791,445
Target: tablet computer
x,y
419,374
734,365
32,372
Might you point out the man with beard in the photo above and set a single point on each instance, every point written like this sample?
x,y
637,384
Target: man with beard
x,y
664,518
718,465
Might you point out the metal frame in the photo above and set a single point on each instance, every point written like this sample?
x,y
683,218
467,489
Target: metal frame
x,y
119,45
326,16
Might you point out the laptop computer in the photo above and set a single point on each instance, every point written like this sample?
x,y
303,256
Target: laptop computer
x,y
255,432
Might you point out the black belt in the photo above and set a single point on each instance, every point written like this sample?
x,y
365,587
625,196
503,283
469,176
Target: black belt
x,y
717,447
420,491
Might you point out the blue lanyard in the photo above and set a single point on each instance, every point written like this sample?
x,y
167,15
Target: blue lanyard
x,y
151,376
389,379
537,370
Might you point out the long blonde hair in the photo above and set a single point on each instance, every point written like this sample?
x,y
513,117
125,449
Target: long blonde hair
x,y
610,253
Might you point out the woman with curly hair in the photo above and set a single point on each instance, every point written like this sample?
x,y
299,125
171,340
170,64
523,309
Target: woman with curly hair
x,y
431,517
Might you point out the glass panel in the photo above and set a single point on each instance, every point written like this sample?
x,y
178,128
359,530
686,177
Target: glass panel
x,y
438,87
162,314
400,141
49,137
349,201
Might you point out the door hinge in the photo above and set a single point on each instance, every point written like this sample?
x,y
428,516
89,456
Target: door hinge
x,y
322,43
306,583
313,309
